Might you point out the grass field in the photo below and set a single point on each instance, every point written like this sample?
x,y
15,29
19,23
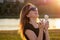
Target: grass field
x,y
9,35
13,35
54,34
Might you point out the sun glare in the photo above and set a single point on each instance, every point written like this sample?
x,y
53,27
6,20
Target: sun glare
x,y
53,23
57,2
57,24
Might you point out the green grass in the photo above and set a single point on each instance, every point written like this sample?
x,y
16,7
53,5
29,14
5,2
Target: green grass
x,y
54,34
13,35
9,35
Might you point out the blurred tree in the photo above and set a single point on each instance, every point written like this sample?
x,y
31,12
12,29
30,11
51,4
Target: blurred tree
x,y
10,9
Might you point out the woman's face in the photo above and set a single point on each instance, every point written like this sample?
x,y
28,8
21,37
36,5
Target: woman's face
x,y
33,13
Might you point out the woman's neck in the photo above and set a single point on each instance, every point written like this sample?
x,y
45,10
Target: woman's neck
x,y
33,20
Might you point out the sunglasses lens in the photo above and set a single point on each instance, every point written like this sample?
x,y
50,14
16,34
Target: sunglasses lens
x,y
34,9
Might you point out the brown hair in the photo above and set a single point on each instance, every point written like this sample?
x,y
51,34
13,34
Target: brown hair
x,y
23,18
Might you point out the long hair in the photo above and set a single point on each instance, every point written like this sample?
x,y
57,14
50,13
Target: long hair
x,y
23,18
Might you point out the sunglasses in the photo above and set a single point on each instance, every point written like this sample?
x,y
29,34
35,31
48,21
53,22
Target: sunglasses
x,y
33,9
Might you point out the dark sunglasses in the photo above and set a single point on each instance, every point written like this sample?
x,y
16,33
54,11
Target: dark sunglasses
x,y
33,9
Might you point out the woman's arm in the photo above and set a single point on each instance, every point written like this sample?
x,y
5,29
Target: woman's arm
x,y
31,35
40,37
47,35
41,28
46,30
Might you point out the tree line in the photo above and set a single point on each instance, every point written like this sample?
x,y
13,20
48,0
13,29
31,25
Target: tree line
x,y
10,9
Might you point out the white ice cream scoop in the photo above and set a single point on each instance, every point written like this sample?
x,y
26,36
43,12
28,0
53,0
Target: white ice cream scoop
x,y
46,17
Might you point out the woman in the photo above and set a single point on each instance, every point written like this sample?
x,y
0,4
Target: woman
x,y
30,30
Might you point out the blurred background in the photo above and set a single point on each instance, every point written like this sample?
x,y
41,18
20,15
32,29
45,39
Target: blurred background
x,y
10,13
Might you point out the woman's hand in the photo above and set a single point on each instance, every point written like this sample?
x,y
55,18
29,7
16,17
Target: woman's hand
x,y
46,30
46,26
41,25
41,29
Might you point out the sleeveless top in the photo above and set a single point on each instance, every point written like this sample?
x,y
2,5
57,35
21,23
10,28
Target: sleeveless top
x,y
30,27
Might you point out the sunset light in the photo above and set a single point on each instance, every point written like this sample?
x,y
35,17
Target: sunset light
x,y
53,23
58,2
57,23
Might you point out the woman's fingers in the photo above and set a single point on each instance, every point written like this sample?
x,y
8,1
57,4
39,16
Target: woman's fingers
x,y
41,24
46,25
